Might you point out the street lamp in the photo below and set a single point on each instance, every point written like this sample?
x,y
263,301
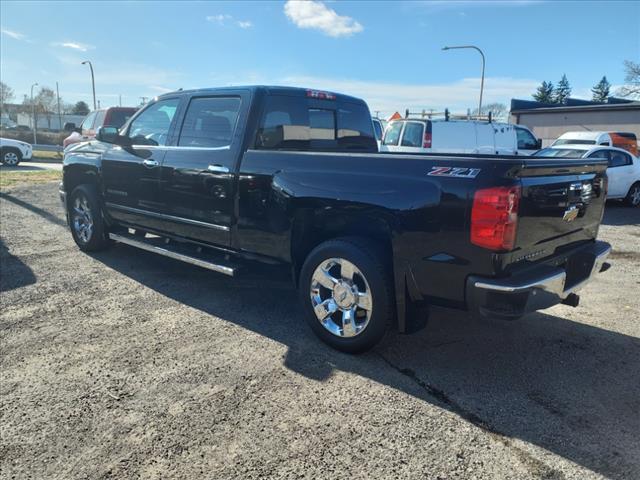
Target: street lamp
x,y
93,83
482,78
33,113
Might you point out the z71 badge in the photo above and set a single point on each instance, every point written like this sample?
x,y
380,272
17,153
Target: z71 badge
x,y
454,172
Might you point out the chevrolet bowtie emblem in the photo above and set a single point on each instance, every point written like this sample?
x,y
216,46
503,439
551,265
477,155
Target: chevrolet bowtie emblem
x,y
570,214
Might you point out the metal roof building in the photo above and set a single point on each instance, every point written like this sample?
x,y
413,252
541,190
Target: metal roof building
x,y
549,121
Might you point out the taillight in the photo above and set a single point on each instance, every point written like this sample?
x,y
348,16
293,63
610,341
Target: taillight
x,y
320,95
494,217
426,143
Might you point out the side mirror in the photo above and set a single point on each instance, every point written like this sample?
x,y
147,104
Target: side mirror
x,y
69,127
107,134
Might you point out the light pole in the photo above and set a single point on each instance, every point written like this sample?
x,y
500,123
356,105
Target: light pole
x,y
93,83
33,113
482,78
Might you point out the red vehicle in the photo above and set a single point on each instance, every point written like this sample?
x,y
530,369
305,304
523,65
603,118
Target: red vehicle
x,y
113,117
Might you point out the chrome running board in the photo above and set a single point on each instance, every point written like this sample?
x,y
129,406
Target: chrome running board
x,y
151,245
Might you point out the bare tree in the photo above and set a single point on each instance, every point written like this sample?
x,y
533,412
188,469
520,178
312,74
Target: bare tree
x,y
6,94
498,110
632,80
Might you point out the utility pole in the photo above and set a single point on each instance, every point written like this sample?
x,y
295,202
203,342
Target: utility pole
x,y
93,83
120,100
33,112
482,78
59,114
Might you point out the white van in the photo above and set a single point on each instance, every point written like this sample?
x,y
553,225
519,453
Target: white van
x,y
458,136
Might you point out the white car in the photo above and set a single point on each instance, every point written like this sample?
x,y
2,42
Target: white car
x,y
12,152
458,136
623,171
624,140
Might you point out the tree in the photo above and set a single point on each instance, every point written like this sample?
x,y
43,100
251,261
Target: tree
x,y
631,89
563,91
46,100
6,94
81,108
498,110
544,93
601,90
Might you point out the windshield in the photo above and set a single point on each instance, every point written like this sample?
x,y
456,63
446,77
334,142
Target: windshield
x,y
560,152
572,141
392,134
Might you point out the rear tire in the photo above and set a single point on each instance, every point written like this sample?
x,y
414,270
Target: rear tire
x,y
633,197
11,157
85,219
347,293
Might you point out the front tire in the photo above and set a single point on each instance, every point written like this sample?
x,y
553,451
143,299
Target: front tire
x,y
11,157
347,293
85,219
633,197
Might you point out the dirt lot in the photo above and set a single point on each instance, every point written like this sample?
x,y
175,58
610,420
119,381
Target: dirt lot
x,y
127,365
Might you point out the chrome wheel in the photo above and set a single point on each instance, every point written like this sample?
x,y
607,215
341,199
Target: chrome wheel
x,y
10,159
81,218
341,297
634,195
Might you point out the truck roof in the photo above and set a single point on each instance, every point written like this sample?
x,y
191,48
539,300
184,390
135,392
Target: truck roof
x,y
272,89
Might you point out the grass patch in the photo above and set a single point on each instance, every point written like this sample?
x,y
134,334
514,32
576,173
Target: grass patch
x,y
14,178
46,155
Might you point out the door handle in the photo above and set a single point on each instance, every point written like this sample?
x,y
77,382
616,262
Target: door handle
x,y
150,163
218,169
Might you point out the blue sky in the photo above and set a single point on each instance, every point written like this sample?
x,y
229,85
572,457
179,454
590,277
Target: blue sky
x,y
387,53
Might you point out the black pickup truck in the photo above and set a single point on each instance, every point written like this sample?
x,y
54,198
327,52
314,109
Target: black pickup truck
x,y
224,177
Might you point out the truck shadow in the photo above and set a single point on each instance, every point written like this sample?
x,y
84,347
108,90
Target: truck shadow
x,y
616,213
14,272
567,387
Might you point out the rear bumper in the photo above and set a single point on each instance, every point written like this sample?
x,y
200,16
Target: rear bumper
x,y
539,287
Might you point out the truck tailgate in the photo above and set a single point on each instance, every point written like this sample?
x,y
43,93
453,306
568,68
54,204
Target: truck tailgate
x,y
561,205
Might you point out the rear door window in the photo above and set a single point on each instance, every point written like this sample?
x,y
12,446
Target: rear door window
x,y
413,134
209,122
295,123
619,159
392,134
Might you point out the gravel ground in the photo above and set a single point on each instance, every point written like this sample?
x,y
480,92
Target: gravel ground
x,y
123,364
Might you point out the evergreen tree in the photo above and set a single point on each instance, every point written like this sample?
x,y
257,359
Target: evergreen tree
x,y
563,91
544,93
601,90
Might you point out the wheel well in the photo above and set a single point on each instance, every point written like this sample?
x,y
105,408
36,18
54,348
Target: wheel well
x,y
11,149
310,230
79,175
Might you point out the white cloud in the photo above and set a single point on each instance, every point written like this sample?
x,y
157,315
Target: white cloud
x,y
160,89
81,47
224,19
13,34
220,19
316,15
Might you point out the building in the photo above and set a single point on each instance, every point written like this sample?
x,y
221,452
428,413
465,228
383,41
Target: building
x,y
549,121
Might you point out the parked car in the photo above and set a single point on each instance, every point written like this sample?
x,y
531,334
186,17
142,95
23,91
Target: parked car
x,y
12,152
224,177
113,117
623,171
624,140
458,136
